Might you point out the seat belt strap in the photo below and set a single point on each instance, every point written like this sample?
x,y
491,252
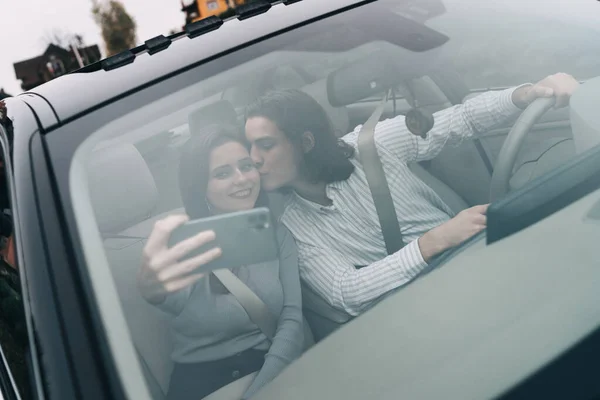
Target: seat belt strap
x,y
256,308
377,181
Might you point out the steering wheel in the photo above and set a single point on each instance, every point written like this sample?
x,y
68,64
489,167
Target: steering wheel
x,y
510,149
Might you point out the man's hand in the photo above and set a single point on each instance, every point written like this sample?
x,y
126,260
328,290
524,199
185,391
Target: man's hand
x,y
463,226
559,85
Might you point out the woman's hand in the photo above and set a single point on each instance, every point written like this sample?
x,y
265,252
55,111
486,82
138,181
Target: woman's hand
x,y
463,226
161,272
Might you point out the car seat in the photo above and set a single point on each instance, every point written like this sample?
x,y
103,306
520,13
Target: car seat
x,y
124,196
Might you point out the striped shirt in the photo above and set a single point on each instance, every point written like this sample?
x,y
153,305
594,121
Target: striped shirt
x,y
333,240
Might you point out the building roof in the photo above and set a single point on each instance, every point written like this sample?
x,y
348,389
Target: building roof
x,y
28,71
31,66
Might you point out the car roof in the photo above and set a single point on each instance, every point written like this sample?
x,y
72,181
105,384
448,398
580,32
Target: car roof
x,y
76,94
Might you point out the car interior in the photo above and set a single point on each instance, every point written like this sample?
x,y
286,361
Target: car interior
x,y
501,319
128,204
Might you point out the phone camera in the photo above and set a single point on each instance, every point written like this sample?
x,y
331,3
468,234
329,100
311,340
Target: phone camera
x,y
260,221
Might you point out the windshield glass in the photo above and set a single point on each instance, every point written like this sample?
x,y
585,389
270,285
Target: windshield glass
x,y
538,40
211,148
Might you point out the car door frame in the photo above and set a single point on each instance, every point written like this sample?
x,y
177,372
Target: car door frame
x,y
64,350
8,387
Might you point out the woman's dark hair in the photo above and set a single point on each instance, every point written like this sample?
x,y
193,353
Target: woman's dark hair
x,y
194,167
295,112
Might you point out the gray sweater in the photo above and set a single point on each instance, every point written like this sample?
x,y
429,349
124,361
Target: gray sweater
x,y
209,324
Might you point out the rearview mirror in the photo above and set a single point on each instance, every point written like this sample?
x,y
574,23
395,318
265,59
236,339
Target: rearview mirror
x,y
373,74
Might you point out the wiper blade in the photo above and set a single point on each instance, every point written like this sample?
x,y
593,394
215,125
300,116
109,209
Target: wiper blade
x,y
203,26
193,30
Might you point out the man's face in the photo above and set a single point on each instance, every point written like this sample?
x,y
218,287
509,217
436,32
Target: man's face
x,y
273,153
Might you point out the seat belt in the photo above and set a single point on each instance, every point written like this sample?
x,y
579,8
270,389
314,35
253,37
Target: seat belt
x,y
256,308
384,205
380,191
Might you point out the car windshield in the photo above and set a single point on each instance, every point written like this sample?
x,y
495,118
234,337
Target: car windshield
x,y
129,175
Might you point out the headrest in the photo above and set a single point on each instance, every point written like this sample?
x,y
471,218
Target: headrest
x,y
220,112
122,189
285,77
337,115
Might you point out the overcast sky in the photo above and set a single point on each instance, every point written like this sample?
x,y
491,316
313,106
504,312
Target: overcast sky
x,y
25,23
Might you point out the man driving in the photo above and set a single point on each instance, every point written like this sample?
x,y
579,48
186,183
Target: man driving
x,y
330,210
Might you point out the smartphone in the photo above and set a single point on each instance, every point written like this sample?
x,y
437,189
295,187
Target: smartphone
x,y
245,237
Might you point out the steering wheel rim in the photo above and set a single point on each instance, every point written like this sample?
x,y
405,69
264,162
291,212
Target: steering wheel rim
x,y
510,149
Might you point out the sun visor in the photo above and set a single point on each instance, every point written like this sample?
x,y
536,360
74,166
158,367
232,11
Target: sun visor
x,y
585,118
379,71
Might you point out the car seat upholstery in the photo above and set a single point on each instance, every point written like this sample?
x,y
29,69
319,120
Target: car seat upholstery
x,y
110,187
123,203
283,77
450,197
219,112
323,318
338,116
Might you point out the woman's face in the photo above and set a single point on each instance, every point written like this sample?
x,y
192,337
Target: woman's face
x,y
233,182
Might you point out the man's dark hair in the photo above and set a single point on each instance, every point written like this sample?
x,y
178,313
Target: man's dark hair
x,y
295,112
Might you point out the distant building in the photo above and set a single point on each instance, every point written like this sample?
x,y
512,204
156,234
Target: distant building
x,y
3,94
55,62
196,10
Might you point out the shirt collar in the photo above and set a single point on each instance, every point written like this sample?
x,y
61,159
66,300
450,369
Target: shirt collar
x,y
331,189
338,186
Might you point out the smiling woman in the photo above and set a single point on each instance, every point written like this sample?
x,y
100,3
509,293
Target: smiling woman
x,y
214,338
234,183
216,174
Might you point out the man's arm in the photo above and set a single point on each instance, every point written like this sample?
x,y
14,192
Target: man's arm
x,y
452,125
479,114
335,279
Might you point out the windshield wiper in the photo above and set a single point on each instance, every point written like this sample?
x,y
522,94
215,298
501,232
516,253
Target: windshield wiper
x,y
193,30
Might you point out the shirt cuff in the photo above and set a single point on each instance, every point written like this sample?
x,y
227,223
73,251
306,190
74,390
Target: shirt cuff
x,y
413,258
506,102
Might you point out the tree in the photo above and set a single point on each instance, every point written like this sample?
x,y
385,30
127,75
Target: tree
x,y
117,26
